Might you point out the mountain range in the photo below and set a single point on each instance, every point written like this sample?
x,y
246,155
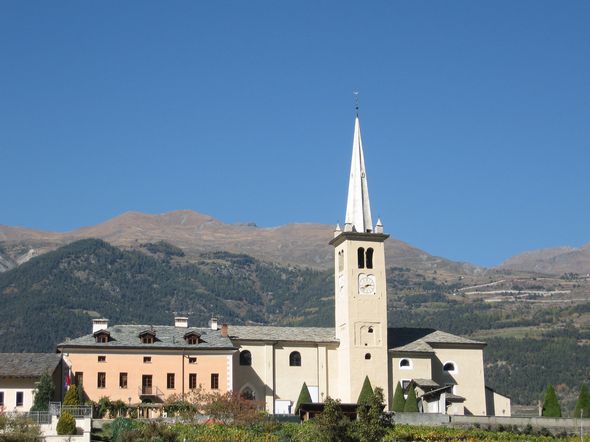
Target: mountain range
x,y
291,244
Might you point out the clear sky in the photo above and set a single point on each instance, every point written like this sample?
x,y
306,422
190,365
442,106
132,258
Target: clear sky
x,y
475,115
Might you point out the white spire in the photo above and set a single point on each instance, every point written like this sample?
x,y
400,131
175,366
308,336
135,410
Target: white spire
x,y
358,208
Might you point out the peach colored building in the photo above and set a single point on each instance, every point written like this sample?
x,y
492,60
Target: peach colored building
x,y
136,363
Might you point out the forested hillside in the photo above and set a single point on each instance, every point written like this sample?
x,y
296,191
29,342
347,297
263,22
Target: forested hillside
x,y
56,295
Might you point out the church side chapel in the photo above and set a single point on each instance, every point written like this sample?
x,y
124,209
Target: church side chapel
x,y
271,364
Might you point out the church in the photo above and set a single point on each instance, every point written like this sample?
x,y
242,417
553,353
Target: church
x,y
137,363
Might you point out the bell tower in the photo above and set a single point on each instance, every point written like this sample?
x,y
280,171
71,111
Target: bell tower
x,y
360,287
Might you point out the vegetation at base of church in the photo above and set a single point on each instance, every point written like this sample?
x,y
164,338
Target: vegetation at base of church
x,y
335,428
18,428
372,423
66,425
366,392
304,397
551,406
43,394
399,401
411,405
71,397
583,403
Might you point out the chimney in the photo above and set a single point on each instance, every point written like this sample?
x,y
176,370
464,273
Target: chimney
x,y
213,323
99,324
224,330
181,321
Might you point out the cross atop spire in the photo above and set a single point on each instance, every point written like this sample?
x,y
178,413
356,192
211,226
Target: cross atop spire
x,y
358,208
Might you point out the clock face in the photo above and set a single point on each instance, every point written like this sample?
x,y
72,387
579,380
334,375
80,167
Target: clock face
x,y
366,284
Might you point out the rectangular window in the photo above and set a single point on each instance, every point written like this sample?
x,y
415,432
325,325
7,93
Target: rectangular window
x,y
19,398
101,380
192,360
122,380
405,384
102,359
214,381
79,376
147,359
192,380
1,398
170,381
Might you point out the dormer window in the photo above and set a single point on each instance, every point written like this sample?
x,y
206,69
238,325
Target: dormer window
x,y
102,336
148,336
192,338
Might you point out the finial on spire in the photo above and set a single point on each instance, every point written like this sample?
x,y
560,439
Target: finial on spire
x,y
356,101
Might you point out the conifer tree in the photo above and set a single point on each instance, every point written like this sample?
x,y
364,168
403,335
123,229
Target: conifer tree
x,y
366,392
583,403
551,406
81,394
304,397
371,422
399,401
411,405
71,397
44,392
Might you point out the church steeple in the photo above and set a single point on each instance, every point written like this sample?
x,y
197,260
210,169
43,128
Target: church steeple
x,y
358,207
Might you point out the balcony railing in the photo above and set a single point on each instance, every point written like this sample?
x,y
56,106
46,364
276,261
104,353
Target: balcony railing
x,y
145,391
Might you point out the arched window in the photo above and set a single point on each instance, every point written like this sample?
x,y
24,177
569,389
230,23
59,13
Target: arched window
x,y
369,260
341,260
449,367
367,355
361,257
295,359
405,363
245,358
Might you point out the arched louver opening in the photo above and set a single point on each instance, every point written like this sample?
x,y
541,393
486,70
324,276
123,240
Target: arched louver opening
x,y
361,257
369,260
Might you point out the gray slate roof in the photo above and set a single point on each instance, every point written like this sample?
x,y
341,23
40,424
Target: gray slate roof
x,y
167,336
425,340
425,383
268,333
27,365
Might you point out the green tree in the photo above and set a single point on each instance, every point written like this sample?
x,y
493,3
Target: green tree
x,y
371,424
304,397
411,405
583,403
71,397
332,423
66,425
81,394
399,401
366,392
44,391
551,406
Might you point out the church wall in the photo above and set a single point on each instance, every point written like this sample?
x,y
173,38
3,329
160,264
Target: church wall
x,y
468,376
258,374
420,368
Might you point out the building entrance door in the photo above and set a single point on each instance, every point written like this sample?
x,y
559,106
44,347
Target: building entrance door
x,y
146,384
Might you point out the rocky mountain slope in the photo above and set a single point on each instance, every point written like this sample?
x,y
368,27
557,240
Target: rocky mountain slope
x,y
195,233
556,260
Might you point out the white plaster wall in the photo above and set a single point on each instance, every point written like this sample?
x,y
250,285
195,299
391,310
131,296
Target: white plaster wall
x,y
10,386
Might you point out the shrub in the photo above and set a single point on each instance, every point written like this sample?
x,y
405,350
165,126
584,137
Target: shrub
x,y
332,423
411,405
104,404
551,406
44,391
66,425
583,403
366,392
71,397
304,397
371,424
399,401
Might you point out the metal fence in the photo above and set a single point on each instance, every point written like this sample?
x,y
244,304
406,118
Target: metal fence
x,y
78,411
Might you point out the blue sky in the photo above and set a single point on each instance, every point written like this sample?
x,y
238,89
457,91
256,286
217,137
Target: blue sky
x,y
475,115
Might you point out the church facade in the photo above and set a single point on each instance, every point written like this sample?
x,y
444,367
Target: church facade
x,y
270,364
